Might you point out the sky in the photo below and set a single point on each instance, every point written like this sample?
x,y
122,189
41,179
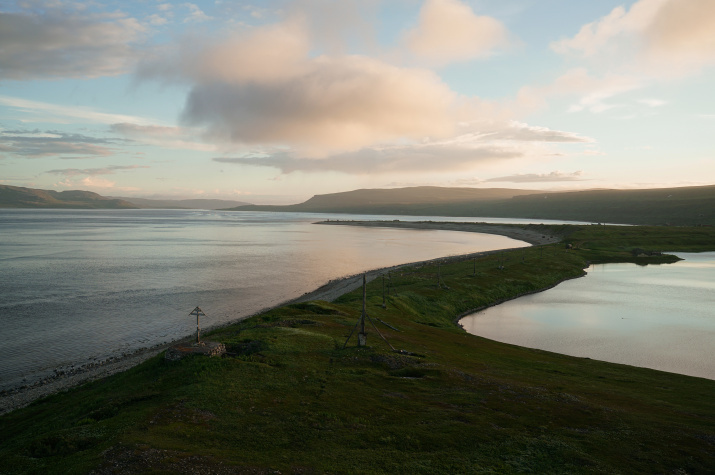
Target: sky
x,y
274,101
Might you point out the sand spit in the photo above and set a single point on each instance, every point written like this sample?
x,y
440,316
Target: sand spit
x,y
68,378
512,231
334,289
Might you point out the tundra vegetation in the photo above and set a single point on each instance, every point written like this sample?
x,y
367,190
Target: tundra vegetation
x,y
289,399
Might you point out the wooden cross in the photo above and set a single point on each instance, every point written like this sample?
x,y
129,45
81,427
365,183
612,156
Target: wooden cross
x,y
197,311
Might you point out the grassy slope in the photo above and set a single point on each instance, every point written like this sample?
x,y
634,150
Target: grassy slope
x,y
293,401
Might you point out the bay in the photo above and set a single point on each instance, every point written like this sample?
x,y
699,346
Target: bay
x,y
78,286
657,316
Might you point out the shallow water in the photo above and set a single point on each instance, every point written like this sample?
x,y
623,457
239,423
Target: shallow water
x,y
660,317
83,285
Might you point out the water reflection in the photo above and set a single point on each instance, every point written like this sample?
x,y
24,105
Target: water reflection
x,y
658,317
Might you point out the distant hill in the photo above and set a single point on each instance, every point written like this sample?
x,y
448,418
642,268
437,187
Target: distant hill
x,y
183,204
20,197
676,206
395,201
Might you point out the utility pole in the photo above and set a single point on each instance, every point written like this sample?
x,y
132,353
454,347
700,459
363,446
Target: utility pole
x,y
362,336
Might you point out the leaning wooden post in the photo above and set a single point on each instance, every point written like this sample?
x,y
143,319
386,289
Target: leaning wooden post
x,y
362,337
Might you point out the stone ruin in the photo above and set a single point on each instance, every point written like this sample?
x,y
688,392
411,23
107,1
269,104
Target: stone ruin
x,y
206,348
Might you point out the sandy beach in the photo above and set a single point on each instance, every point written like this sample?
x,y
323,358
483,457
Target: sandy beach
x,y
70,377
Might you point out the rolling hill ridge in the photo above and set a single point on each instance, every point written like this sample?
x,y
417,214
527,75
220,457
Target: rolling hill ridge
x,y
661,206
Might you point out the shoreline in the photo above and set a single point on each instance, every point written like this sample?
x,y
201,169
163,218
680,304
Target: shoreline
x,y
517,232
67,378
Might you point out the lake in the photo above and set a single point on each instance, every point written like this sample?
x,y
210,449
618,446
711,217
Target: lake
x,y
658,316
83,285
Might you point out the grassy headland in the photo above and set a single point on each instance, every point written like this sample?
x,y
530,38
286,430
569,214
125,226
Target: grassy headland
x,y
291,400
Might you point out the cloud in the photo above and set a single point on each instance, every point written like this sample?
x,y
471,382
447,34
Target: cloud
x,y
653,102
263,87
427,158
157,20
489,142
518,131
449,31
50,43
262,54
331,105
593,37
35,111
269,89
196,15
73,172
89,183
162,136
337,27
595,92
659,38
495,142
555,176
37,144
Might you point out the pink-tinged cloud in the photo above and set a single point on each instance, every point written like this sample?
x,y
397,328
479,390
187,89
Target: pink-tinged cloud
x,y
262,87
449,31
332,104
658,38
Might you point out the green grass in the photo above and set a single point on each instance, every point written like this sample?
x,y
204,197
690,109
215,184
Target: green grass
x,y
292,400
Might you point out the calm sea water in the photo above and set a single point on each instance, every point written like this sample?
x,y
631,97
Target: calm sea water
x,y
84,285
660,317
